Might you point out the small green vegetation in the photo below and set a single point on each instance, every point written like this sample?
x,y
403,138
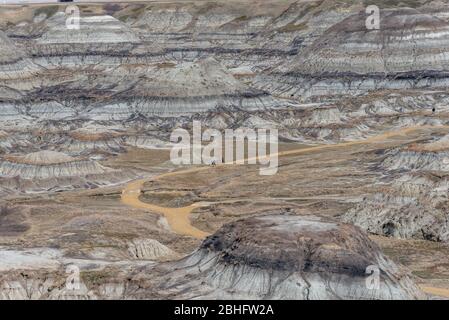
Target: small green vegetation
x,y
291,27
166,65
123,18
429,274
47,10
240,19
94,278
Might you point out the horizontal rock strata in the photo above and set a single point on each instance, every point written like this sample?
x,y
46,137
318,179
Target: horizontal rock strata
x,y
285,257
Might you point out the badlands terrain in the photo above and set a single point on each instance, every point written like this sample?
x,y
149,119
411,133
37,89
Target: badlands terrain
x,y
88,191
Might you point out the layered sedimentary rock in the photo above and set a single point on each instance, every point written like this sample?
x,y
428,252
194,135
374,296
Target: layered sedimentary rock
x,y
46,170
414,204
150,249
105,73
409,50
13,62
406,214
88,41
90,139
184,89
168,90
134,72
227,31
48,164
6,142
429,157
156,67
285,257
266,257
94,29
201,61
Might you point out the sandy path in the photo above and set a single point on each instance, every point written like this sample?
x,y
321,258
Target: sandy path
x,y
179,218
436,291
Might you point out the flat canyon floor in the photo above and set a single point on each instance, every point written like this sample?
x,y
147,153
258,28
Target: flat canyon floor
x,y
324,180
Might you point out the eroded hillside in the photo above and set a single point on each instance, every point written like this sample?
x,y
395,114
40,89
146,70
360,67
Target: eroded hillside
x,y
85,121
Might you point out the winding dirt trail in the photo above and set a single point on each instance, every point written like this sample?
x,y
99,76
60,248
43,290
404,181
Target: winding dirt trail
x,y
179,218
441,292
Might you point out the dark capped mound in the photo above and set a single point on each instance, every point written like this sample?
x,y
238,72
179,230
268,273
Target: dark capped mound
x,y
284,256
290,242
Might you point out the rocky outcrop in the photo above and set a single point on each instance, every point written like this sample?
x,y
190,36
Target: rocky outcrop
x,y
187,88
5,141
93,139
13,62
432,156
414,203
408,51
150,249
133,72
285,257
155,64
49,164
100,39
400,216
50,170
92,29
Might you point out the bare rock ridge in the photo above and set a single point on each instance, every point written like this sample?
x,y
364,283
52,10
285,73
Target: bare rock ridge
x,y
150,249
94,107
235,65
45,170
168,90
95,29
285,257
183,89
100,39
433,156
410,50
48,164
274,256
13,62
413,204
43,158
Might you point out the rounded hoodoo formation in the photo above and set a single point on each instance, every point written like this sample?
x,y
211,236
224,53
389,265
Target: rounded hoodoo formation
x,y
287,257
42,158
92,30
50,170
